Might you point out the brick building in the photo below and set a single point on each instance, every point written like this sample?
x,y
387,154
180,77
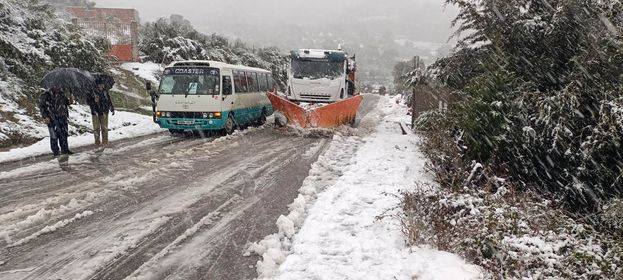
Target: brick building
x,y
120,26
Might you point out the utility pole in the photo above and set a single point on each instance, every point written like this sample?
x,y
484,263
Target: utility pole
x,y
134,39
416,64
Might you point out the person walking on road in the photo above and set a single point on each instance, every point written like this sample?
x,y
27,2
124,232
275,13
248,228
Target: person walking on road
x,y
100,104
54,108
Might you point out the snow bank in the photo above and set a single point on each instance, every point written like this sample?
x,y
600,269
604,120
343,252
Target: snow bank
x,y
11,90
147,70
324,173
122,125
53,228
333,230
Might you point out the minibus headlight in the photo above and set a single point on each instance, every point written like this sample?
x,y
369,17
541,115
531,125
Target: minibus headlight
x,y
205,115
167,114
211,115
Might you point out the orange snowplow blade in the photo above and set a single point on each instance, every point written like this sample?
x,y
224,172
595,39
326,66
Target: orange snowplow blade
x,y
335,114
331,115
294,113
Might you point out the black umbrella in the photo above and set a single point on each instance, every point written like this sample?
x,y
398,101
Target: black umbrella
x,y
79,83
102,78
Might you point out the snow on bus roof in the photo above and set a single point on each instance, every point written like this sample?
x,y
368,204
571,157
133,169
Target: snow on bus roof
x,y
217,64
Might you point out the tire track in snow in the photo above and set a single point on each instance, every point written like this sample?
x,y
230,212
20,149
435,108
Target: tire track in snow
x,y
130,215
220,201
218,252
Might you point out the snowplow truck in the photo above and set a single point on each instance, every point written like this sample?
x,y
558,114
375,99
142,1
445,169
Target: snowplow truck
x,y
319,76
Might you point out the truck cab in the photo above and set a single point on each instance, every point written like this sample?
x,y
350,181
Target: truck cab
x,y
320,76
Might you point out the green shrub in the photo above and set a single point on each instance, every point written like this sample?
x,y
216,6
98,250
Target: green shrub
x,y
541,90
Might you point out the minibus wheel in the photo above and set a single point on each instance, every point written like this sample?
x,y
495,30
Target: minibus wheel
x,y
262,120
230,125
176,132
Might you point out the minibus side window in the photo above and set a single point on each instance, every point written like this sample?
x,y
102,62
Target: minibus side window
x,y
240,82
263,82
252,79
227,85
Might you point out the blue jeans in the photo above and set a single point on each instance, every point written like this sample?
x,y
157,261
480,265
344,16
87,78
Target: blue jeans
x,y
58,135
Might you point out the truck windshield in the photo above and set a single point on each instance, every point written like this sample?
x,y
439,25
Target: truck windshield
x,y
190,81
317,69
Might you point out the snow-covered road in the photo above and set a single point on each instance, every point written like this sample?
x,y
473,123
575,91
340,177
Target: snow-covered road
x,y
158,206
163,207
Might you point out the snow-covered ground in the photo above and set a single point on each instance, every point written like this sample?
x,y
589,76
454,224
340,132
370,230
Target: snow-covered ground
x,y
21,122
121,126
148,70
344,225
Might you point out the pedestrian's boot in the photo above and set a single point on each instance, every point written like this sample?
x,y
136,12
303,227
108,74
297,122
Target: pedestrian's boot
x,y
105,137
97,138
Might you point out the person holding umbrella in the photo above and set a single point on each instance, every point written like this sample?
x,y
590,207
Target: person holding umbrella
x,y
54,105
100,103
54,108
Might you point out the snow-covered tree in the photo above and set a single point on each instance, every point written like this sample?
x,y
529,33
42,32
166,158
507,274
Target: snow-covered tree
x,y
167,40
541,84
33,41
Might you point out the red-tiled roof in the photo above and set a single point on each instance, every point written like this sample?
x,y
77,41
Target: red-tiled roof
x,y
124,15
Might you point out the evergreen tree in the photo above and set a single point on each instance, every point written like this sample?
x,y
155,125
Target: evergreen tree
x,y
541,84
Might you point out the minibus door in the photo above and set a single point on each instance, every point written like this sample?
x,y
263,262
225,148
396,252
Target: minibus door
x,y
228,95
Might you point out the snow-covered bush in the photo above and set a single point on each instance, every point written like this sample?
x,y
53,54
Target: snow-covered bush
x,y
511,235
612,215
541,85
426,120
33,40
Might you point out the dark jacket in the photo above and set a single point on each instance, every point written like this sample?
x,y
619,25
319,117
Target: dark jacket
x,y
54,106
103,106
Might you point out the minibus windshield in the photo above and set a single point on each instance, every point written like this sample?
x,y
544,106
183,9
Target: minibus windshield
x,y
190,81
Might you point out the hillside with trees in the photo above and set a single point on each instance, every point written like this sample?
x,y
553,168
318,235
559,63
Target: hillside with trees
x,y
174,38
33,41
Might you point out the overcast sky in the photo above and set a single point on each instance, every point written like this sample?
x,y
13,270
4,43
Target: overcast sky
x,y
421,20
379,32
